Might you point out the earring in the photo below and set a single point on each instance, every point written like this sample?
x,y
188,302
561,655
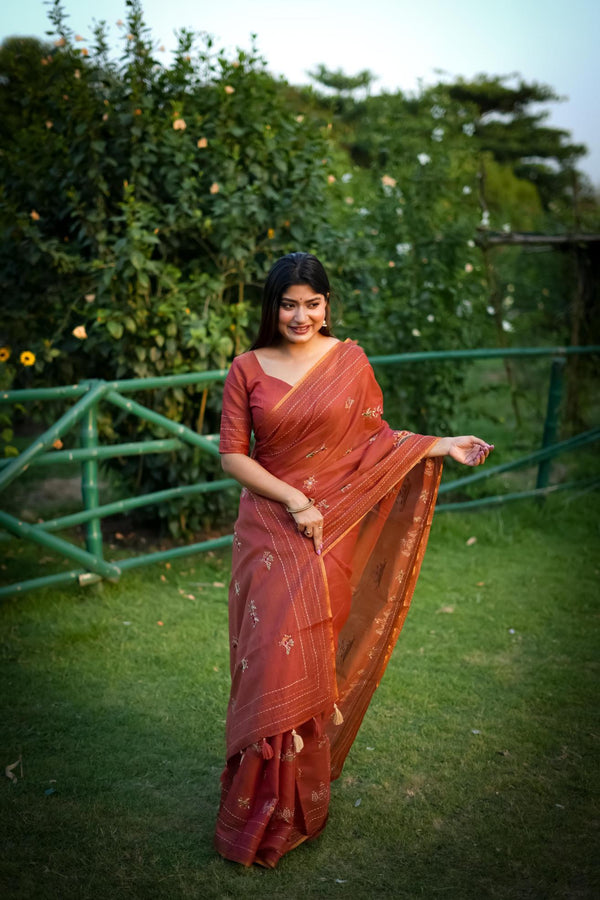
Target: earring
x,y
324,323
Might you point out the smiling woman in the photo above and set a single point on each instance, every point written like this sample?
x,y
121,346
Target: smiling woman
x,y
333,523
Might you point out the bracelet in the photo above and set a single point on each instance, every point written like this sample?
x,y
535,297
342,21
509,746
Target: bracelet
x,y
293,512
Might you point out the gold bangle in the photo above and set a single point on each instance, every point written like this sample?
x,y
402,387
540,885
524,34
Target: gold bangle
x,y
293,512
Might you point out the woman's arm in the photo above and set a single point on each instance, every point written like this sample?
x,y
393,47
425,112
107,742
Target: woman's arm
x,y
466,449
256,478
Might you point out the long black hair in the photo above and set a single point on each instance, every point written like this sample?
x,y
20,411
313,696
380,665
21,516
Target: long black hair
x,y
295,268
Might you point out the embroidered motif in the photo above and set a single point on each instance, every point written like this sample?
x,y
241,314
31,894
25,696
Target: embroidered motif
x,y
236,588
349,450
314,452
243,802
345,488
423,496
299,773
372,412
268,559
236,541
252,612
428,466
288,756
400,437
400,576
321,794
322,504
234,642
349,402
286,813
310,483
244,664
374,438
268,807
287,642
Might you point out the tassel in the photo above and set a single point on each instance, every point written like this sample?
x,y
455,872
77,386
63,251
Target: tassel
x,y
267,750
337,718
298,742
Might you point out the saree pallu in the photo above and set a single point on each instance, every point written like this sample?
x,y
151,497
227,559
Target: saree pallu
x,y
310,636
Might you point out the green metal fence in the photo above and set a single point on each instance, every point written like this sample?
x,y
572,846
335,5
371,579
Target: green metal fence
x,y
93,567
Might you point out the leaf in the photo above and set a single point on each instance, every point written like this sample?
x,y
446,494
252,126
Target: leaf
x,y
115,329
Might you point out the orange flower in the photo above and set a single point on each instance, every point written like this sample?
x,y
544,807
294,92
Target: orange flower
x,y
105,117
120,23
202,143
4,354
35,215
179,125
271,233
89,298
229,89
57,444
84,52
330,179
27,358
131,37
162,48
138,111
388,181
60,42
49,124
391,264
65,96
80,333
79,38
214,188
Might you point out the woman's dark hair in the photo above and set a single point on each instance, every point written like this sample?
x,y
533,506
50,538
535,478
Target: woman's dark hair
x,y
295,268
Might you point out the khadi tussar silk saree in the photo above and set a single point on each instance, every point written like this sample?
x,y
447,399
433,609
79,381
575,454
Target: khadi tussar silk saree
x,y
310,636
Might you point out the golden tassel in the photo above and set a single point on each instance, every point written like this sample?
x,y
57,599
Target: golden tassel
x,y
337,718
298,742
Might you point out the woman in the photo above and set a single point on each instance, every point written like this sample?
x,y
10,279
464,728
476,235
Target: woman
x,y
334,518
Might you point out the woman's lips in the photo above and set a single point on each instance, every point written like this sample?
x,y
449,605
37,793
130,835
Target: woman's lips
x,y
301,329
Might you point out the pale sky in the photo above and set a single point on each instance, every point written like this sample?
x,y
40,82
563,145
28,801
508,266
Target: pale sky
x,y
401,41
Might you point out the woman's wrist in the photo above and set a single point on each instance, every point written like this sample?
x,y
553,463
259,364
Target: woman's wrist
x,y
441,447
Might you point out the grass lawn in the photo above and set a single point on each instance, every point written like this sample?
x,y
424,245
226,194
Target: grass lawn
x,y
472,776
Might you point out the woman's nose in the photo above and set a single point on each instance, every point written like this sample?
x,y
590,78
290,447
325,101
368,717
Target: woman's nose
x,y
300,315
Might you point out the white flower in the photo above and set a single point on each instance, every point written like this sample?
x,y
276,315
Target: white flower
x,y
430,318
506,226
506,326
399,211
489,310
401,249
415,332
469,129
424,158
347,177
437,112
508,302
470,243
485,219
363,211
437,134
466,189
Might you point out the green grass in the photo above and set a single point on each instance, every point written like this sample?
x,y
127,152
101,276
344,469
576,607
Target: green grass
x,y
474,768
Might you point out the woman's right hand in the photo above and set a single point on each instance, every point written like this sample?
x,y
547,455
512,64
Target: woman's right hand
x,y
309,522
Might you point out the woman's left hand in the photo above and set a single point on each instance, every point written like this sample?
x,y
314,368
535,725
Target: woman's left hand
x,y
469,450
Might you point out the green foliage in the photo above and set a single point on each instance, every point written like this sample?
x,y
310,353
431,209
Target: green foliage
x,y
141,205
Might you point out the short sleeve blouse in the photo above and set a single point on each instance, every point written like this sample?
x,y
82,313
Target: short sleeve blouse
x,y
247,395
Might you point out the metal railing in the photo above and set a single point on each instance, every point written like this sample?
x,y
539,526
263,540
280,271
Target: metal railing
x,y
84,413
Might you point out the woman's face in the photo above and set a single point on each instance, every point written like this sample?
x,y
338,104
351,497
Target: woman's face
x,y
301,313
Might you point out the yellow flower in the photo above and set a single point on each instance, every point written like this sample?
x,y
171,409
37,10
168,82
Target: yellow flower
x,y
214,188
27,358
179,125
271,233
229,89
89,298
300,119
35,215
79,332
4,354
202,143
388,181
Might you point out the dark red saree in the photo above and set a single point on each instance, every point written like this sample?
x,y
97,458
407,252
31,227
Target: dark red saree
x,y
310,636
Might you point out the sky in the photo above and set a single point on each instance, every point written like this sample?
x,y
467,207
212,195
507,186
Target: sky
x,y
554,42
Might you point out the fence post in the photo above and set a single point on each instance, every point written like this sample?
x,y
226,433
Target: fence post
x,y
555,394
89,479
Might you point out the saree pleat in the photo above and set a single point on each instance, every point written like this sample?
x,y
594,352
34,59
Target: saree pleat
x,y
311,635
